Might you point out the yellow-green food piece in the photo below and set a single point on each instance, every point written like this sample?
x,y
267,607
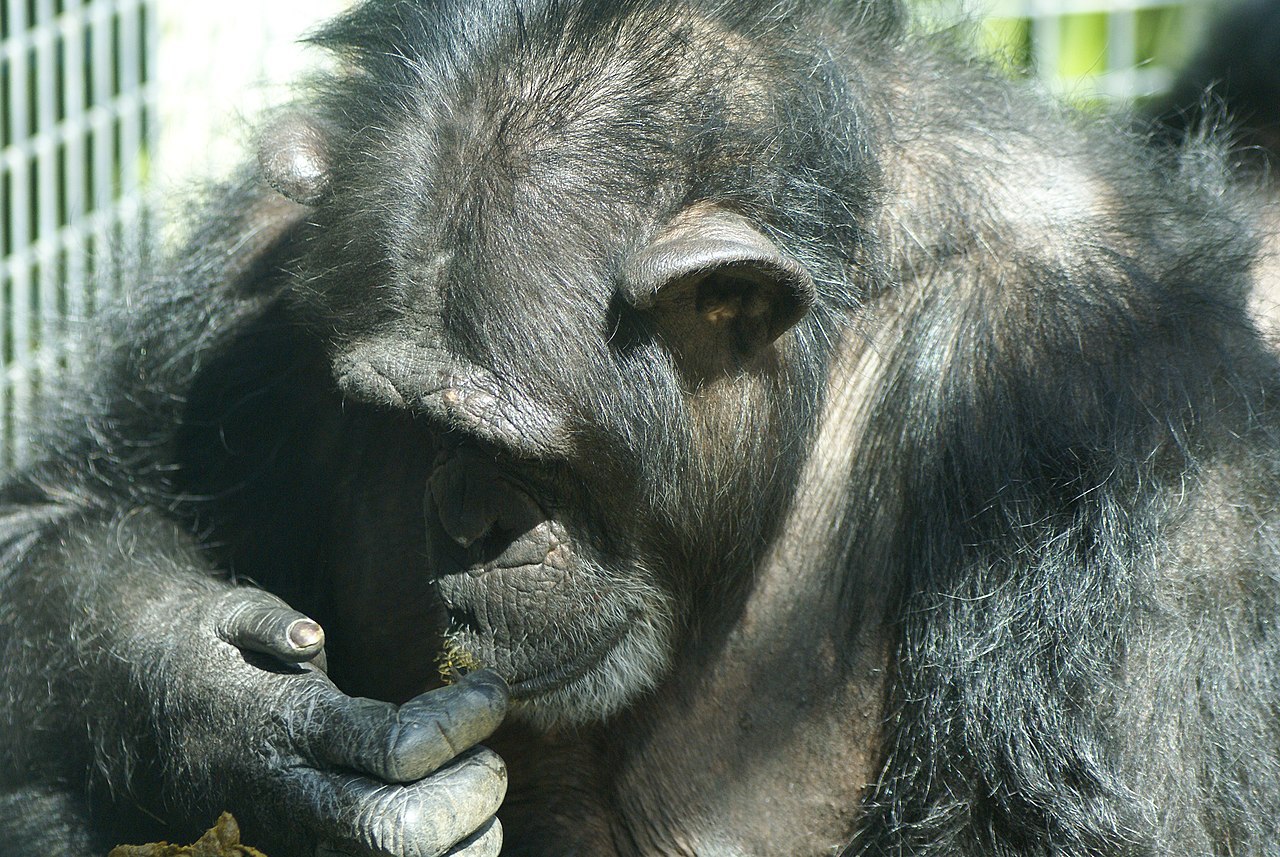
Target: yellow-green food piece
x,y
221,840
454,661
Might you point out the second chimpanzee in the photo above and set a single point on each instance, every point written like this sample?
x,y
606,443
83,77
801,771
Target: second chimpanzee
x,y
824,444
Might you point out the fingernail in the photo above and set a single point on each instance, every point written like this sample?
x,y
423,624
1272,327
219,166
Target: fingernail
x,y
305,634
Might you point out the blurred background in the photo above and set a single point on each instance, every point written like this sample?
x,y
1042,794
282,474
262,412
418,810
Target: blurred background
x,y
107,101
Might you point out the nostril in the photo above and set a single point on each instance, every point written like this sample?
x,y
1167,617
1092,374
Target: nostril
x,y
460,502
478,507
466,529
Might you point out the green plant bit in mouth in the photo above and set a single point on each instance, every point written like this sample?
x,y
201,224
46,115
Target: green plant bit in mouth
x,y
455,661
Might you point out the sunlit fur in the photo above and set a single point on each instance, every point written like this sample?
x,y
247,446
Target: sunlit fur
x,y
1061,474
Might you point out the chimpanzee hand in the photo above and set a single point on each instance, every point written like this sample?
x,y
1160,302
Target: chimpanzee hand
x,y
344,775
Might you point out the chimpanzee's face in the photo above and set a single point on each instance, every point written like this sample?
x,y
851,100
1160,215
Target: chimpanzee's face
x,y
592,419
604,360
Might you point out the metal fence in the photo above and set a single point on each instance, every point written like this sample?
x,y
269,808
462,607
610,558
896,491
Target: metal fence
x,y
1096,49
78,120
82,107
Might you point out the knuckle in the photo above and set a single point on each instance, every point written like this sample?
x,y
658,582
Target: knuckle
x,y
480,778
245,610
396,763
417,742
486,843
418,749
489,762
432,816
393,822
241,600
361,732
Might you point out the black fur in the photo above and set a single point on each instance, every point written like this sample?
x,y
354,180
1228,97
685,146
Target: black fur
x,y
1051,564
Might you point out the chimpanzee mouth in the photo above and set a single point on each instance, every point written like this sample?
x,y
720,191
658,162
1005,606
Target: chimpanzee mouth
x,y
518,595
540,683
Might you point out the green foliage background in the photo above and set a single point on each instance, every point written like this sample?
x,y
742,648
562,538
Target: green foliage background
x,y
1091,51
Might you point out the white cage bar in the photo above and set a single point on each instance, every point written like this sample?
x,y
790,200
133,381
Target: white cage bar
x,y
1119,72
79,119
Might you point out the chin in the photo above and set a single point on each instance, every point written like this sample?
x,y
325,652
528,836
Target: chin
x,y
578,670
627,670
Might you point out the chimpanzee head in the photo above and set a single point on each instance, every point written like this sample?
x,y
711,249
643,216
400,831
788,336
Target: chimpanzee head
x,y
590,251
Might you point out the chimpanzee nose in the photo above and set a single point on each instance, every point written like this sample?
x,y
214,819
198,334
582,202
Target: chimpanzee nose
x,y
468,507
473,500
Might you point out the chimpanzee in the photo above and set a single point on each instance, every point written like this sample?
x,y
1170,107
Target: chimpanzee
x,y
783,435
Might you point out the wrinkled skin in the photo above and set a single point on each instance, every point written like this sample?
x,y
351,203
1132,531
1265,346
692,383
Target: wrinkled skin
x,y
820,445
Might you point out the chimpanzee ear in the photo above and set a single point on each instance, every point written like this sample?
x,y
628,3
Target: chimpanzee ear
x,y
722,291
295,155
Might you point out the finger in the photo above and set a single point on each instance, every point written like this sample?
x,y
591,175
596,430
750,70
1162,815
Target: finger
x,y
487,842
429,818
438,725
401,745
259,622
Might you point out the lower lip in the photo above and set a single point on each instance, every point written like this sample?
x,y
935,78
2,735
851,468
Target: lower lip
x,y
561,676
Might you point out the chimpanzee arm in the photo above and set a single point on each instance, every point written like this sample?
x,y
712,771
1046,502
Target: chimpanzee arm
x,y
133,665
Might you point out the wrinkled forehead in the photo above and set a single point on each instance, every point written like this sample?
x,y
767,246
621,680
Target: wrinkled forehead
x,y
561,143
579,104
